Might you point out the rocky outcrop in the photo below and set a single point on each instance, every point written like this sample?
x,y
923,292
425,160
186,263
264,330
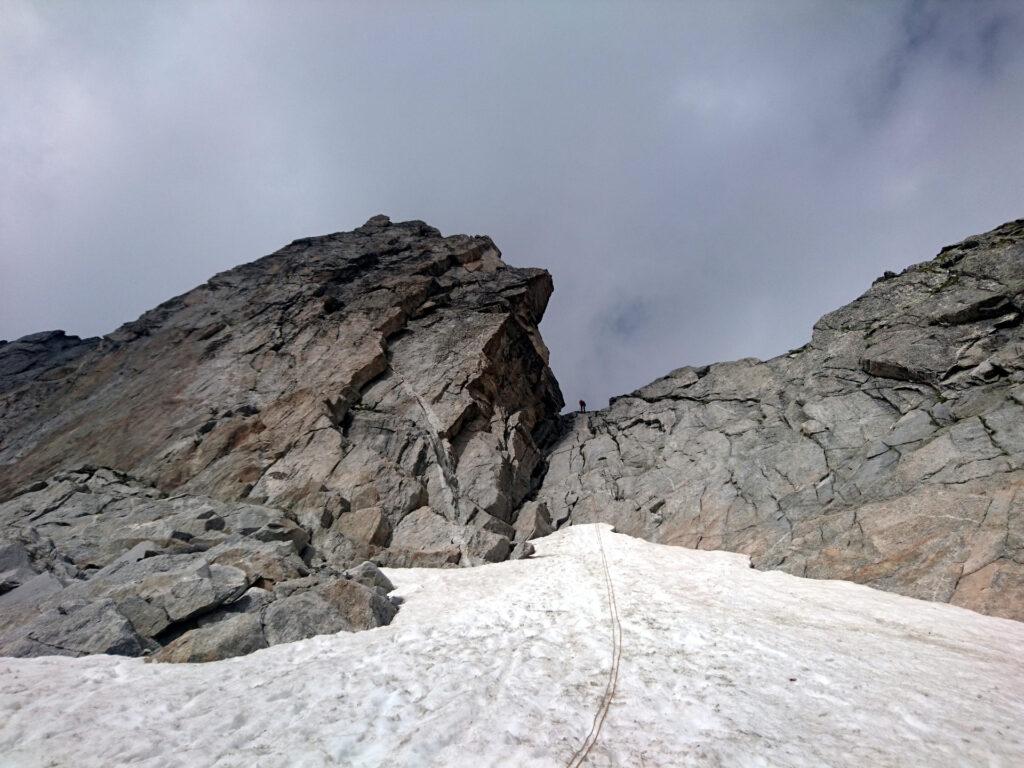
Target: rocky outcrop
x,y
348,380
888,451
100,563
369,395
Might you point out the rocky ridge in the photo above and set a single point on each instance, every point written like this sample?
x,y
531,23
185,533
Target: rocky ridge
x,y
377,394
888,451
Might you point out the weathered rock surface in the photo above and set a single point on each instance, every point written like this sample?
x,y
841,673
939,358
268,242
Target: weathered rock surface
x,y
888,451
348,379
377,394
97,562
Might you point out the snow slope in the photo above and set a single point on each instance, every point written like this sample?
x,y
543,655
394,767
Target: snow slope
x,y
508,664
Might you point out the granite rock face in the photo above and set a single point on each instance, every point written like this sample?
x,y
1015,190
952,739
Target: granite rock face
x,y
195,484
348,380
888,451
229,471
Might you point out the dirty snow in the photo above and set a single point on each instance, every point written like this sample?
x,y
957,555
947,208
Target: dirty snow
x,y
508,665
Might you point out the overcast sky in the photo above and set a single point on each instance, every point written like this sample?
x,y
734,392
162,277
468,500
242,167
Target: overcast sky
x,y
704,180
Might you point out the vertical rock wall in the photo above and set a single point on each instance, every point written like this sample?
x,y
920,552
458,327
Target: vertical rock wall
x,y
887,451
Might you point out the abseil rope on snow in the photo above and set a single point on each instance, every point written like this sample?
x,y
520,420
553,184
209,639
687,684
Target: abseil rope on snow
x,y
580,756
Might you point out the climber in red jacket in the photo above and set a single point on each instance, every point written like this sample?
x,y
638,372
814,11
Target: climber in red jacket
x,y
583,407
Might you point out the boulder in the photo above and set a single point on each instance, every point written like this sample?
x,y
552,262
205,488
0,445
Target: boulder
x,y
183,586
15,566
339,606
264,563
235,635
366,526
94,627
424,538
369,575
522,551
488,547
533,521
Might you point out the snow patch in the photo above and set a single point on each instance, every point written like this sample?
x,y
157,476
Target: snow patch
x,y
507,665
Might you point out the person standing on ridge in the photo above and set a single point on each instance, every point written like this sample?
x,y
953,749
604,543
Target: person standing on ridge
x,y
583,407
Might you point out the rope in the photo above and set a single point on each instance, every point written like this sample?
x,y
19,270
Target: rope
x,y
580,756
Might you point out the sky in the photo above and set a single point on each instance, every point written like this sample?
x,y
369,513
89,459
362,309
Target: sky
x,y
702,179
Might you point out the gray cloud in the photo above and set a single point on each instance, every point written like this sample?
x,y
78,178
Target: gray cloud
x,y
703,179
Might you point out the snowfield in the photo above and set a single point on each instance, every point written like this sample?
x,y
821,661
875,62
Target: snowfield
x,y
510,665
